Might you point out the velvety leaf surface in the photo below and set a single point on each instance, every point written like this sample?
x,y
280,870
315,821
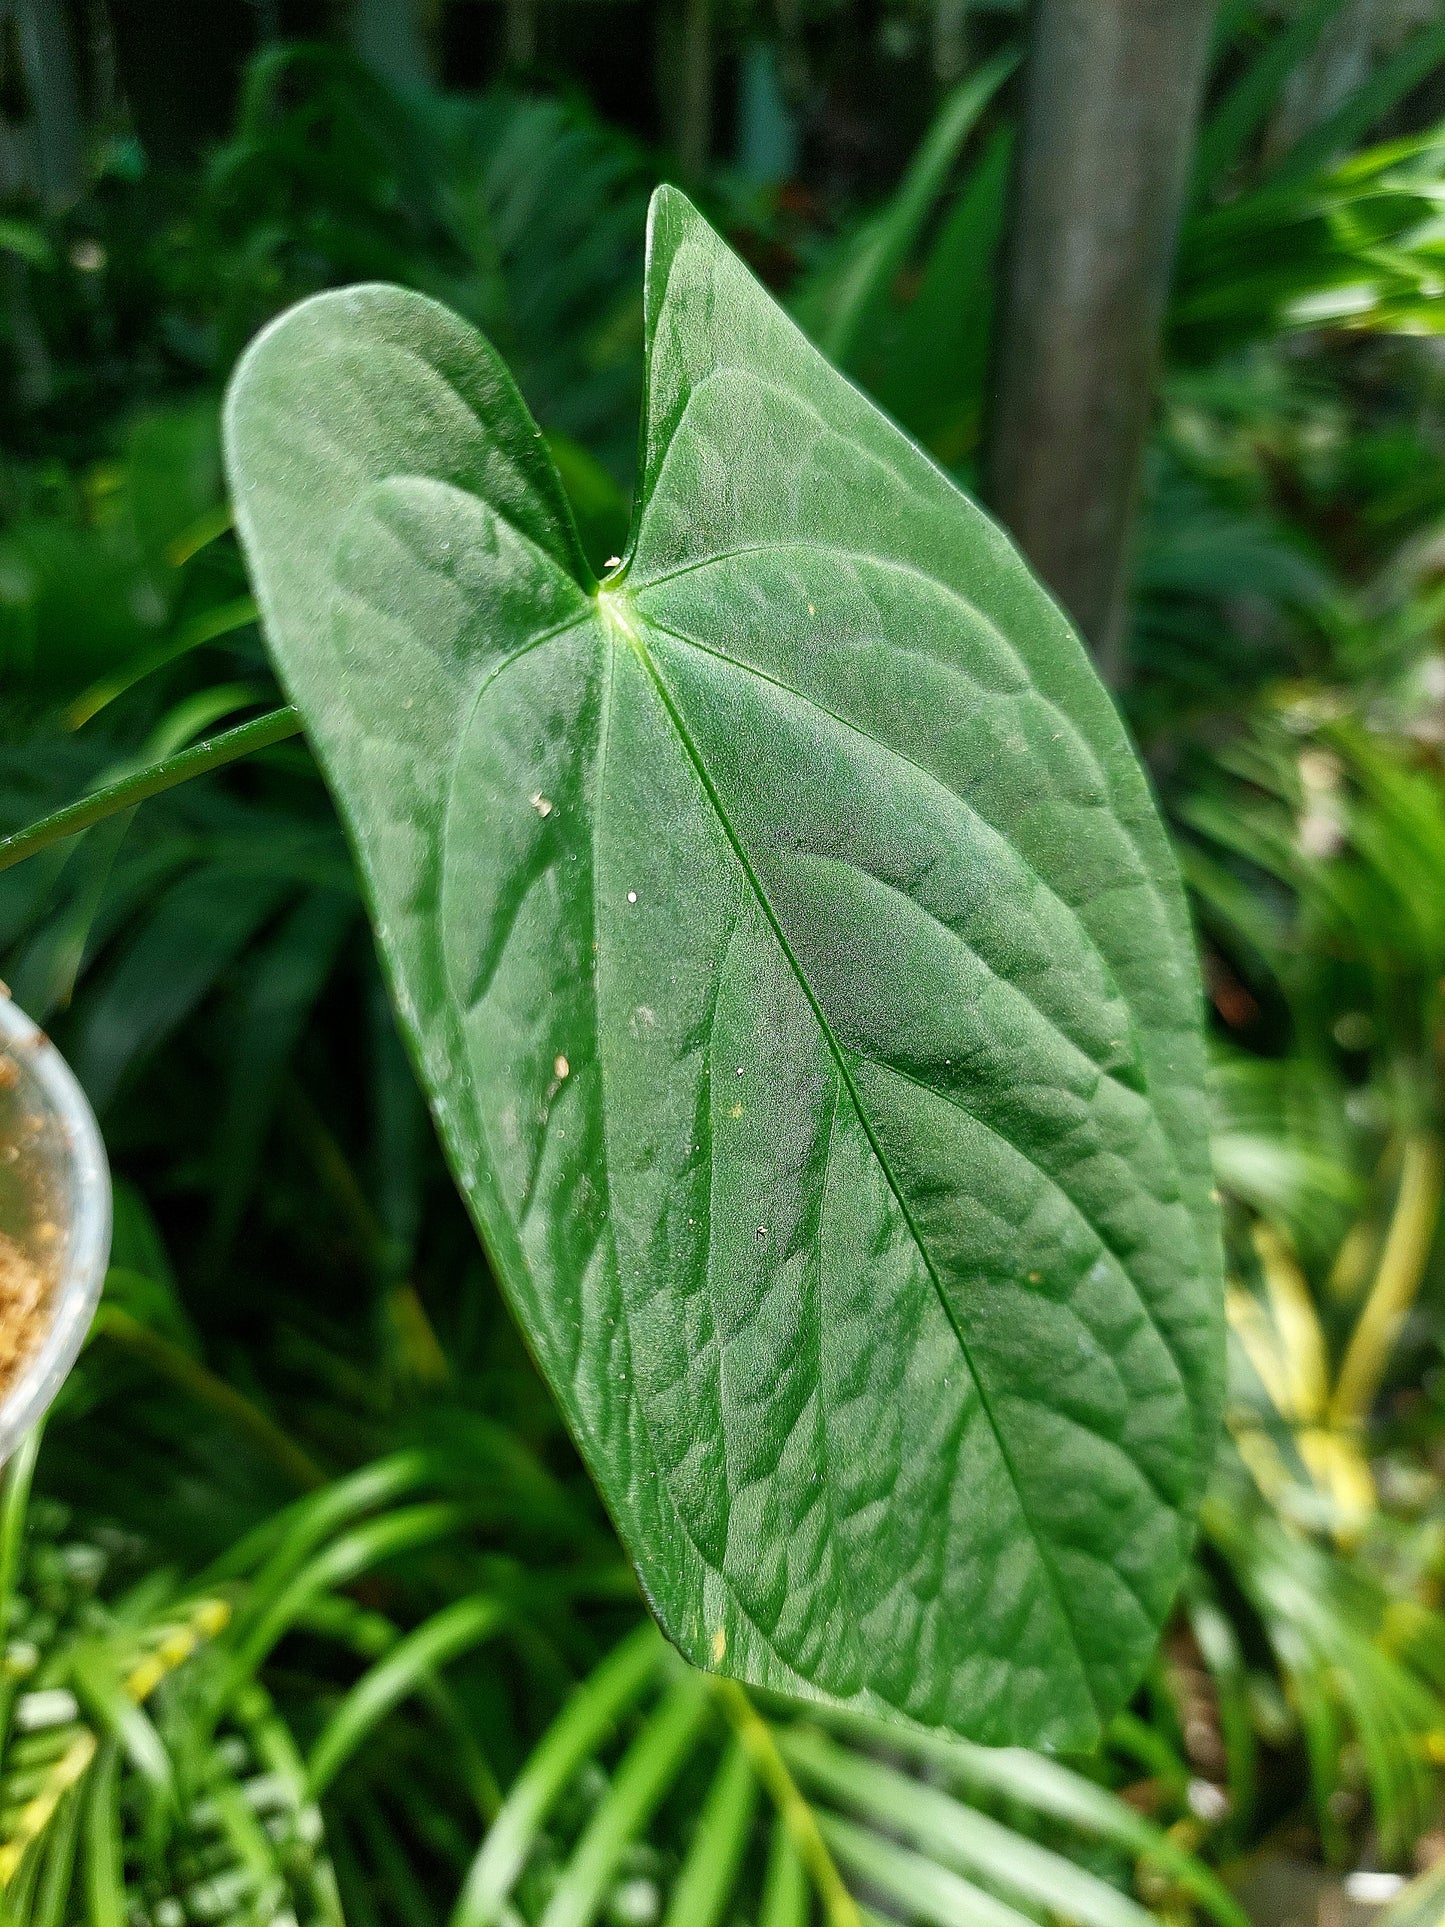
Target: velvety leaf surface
x,y
799,975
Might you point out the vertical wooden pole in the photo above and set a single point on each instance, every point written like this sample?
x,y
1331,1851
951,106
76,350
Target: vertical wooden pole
x,y
1112,99
56,134
394,38
521,36
950,42
685,81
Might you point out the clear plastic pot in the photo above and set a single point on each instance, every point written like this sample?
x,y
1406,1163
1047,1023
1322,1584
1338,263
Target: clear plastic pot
x,y
54,1204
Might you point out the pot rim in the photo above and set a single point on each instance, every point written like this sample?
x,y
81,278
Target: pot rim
x,y
85,1189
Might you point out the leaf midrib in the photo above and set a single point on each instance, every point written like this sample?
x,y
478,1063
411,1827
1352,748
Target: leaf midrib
x,y
900,565
1145,1095
616,621
608,616
931,777
597,609
889,564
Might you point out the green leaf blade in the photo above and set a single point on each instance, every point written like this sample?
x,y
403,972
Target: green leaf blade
x,y
800,978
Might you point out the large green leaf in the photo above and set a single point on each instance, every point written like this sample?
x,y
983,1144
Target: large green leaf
x,y
800,978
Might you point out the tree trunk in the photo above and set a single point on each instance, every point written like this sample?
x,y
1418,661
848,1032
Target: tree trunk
x,y
521,34
767,128
1112,98
685,81
394,38
793,68
55,135
950,42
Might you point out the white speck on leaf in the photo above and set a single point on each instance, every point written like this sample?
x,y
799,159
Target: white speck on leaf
x,y
561,1066
541,804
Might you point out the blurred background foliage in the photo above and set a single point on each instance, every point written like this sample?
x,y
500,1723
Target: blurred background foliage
x,y
308,1612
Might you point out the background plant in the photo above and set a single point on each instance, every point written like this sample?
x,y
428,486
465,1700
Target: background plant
x,y
297,1315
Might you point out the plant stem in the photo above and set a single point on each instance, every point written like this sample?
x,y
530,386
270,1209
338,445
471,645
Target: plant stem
x,y
1402,1266
14,1501
840,1909
14,1506
274,727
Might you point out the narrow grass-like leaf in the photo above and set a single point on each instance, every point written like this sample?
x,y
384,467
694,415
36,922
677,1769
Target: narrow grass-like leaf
x,y
1009,1774
280,993
15,1483
197,1381
446,1634
398,1884
934,374
795,1811
581,1727
223,620
1365,106
955,1836
195,932
104,1873
704,1887
644,1774
337,1564
926,1891
786,1900
281,1543
97,1680
1243,110
57,1874
851,289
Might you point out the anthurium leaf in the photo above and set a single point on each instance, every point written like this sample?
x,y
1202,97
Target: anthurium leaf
x,y
800,979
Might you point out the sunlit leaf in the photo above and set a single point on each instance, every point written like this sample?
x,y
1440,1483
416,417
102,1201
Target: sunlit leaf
x,y
800,978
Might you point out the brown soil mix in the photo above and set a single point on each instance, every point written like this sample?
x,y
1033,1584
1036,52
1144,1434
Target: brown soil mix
x,y
24,1308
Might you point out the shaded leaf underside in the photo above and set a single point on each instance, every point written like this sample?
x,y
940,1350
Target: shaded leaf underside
x,y
798,971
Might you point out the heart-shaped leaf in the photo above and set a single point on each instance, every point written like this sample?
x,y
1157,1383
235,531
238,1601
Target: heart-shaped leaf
x,y
800,978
